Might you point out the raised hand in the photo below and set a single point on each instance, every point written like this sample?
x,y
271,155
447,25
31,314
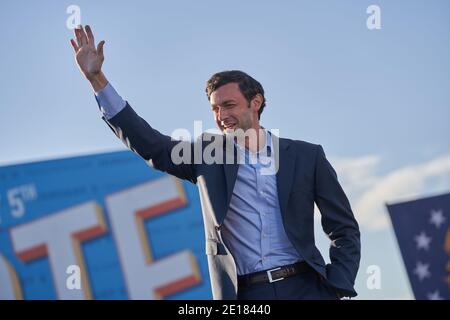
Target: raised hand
x,y
88,58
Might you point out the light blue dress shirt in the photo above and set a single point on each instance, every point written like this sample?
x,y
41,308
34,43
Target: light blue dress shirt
x,y
110,102
253,229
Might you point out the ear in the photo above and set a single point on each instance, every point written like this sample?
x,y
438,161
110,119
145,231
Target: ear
x,y
256,102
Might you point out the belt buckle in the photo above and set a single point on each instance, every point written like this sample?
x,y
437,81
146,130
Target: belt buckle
x,y
269,274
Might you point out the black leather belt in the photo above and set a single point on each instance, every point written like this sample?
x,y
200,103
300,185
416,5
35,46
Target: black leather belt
x,y
273,275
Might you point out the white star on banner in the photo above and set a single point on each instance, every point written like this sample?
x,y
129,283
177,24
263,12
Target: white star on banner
x,y
422,241
422,271
434,295
437,218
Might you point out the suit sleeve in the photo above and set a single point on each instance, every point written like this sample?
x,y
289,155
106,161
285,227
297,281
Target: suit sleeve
x,y
152,146
339,224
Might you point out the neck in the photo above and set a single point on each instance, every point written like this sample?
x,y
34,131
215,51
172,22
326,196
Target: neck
x,y
256,142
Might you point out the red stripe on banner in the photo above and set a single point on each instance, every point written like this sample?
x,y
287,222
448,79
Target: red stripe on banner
x,y
161,208
176,286
89,233
33,253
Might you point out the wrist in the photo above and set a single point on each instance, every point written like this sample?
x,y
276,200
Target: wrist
x,y
98,81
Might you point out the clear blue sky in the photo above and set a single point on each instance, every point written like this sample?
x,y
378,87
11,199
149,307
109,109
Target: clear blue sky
x,y
378,101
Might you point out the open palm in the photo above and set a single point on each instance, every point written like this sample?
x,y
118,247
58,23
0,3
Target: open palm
x,y
89,58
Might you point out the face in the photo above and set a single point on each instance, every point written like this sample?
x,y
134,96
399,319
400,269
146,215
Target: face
x,y
232,110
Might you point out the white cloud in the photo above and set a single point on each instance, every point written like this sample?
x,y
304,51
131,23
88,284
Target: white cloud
x,y
369,193
357,173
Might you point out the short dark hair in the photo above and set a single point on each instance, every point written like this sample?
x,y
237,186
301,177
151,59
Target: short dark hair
x,y
248,86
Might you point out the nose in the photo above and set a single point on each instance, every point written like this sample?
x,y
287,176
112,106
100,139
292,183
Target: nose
x,y
221,114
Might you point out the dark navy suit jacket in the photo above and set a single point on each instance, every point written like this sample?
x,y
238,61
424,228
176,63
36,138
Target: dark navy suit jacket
x,y
304,177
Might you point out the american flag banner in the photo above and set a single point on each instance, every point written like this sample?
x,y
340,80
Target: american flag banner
x,y
422,229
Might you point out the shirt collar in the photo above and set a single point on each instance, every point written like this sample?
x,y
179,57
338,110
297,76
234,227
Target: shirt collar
x,y
268,145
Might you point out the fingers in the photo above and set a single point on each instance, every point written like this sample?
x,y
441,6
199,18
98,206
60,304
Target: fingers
x,y
90,36
77,36
85,38
100,48
74,45
81,36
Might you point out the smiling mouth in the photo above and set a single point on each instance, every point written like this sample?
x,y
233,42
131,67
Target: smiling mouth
x,y
228,126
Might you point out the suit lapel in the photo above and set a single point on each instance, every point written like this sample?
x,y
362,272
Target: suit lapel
x,y
230,171
285,161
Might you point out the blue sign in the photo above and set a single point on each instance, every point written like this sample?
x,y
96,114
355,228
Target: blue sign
x,y
104,226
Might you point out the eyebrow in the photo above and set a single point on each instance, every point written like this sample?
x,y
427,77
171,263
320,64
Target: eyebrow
x,y
225,102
